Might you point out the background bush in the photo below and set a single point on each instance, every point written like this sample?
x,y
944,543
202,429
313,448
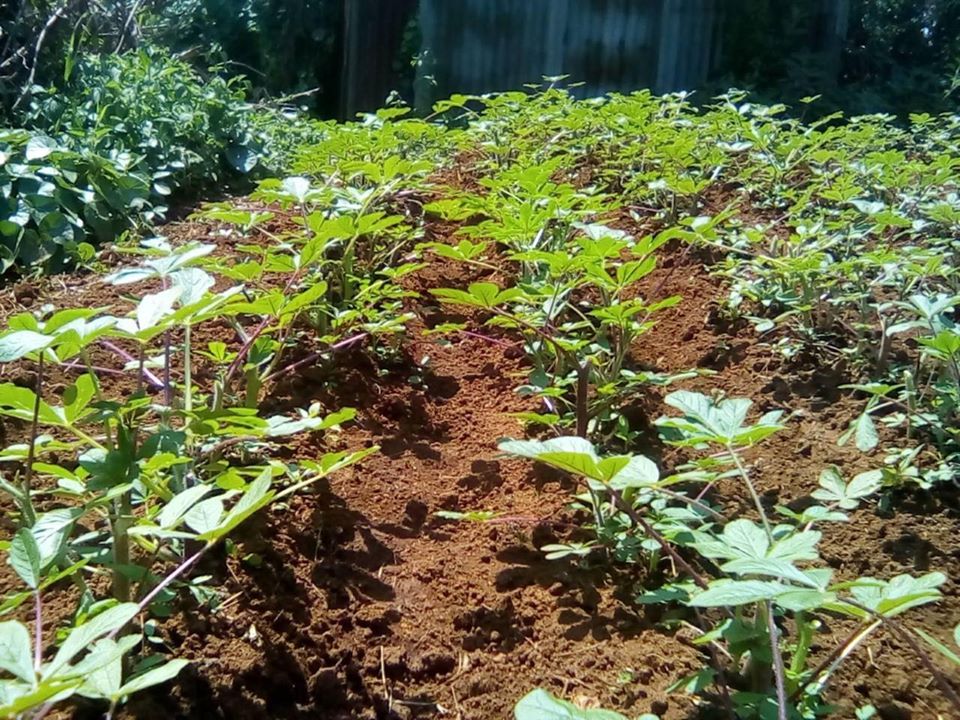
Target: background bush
x,y
54,202
282,46
152,114
897,56
107,148
140,100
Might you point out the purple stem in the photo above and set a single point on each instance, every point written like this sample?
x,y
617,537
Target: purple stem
x,y
487,338
44,711
150,596
83,368
167,385
245,349
38,631
313,356
150,377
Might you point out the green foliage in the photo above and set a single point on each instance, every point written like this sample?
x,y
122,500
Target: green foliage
x,y
836,240
865,56
154,115
111,144
286,46
54,202
151,474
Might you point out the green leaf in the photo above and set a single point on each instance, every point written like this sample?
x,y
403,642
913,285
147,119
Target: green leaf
x,y
721,421
745,539
297,187
155,676
865,433
332,462
257,496
205,516
947,652
20,343
734,593
32,698
796,546
51,532
18,402
833,489
578,456
82,637
483,295
24,558
533,418
16,650
38,147
541,705
801,600
770,567
156,306
865,483
193,284
639,471
173,511
895,596
102,669
572,454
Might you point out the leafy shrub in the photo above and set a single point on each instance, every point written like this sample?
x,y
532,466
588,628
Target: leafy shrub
x,y
126,132
53,201
153,114
287,45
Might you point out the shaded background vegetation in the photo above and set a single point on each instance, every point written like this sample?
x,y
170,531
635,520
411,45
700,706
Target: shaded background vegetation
x,y
124,106
890,55
896,56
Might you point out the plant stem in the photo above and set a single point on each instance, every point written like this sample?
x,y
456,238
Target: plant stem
x,y
121,547
159,587
34,431
719,668
314,356
752,489
144,372
99,393
680,497
239,360
778,672
167,387
187,371
639,520
583,393
832,661
37,631
140,364
99,369
43,711
945,687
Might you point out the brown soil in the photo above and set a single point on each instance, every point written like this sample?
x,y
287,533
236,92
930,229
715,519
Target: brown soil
x,y
358,602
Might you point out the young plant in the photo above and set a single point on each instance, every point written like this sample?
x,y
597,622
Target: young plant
x,y
138,489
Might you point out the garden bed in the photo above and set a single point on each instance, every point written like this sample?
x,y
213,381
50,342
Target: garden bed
x,y
414,583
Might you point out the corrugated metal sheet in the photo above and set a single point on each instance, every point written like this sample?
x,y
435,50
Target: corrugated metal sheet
x,y
373,34
477,46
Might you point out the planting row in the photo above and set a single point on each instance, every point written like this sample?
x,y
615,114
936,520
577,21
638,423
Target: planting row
x,y
835,240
